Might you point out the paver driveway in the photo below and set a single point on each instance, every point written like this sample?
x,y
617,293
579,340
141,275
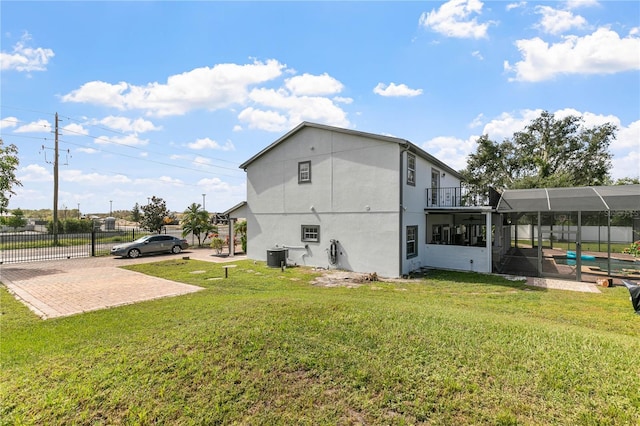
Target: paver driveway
x,y
71,286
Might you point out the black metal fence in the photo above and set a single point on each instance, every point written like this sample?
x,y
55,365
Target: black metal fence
x,y
21,247
461,196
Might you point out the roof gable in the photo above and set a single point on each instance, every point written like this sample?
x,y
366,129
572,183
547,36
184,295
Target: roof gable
x,y
403,142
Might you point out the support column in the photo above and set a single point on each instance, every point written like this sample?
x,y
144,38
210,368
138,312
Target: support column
x,y
539,243
579,248
232,239
488,241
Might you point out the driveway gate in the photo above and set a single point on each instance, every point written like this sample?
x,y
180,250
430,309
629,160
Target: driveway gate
x,y
22,247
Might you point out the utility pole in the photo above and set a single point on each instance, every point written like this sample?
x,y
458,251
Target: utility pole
x,y
55,188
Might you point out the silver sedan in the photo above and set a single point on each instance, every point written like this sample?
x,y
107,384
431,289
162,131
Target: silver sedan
x,y
150,244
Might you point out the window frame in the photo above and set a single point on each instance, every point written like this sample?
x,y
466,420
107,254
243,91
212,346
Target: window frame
x,y
414,241
411,169
301,164
306,234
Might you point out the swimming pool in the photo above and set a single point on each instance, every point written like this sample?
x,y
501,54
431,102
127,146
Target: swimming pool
x,y
617,265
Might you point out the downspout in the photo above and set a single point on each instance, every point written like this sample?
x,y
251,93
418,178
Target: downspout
x,y
401,209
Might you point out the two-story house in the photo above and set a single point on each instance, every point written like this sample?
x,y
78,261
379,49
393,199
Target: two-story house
x,y
363,202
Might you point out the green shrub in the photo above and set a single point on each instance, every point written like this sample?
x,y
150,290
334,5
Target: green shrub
x,y
633,249
217,244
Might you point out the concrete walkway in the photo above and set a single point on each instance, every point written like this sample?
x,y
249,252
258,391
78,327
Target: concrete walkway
x,y
563,285
59,288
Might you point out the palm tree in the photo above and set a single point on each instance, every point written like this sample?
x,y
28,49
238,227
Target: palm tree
x,y
196,221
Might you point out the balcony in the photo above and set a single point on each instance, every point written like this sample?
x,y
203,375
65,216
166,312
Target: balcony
x,y
461,196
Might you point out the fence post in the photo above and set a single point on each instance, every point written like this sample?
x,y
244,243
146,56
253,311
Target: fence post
x,y
93,242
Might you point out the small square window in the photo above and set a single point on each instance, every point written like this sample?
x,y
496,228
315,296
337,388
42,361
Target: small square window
x,y
304,172
412,241
411,169
311,233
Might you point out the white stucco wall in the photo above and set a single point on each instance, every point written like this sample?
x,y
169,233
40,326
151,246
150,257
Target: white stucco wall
x,y
460,258
414,203
353,196
358,195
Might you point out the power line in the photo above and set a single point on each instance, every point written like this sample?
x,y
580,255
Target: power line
x,y
107,140
152,161
140,149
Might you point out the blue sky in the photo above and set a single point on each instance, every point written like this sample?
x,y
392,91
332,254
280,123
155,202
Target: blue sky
x,y
167,98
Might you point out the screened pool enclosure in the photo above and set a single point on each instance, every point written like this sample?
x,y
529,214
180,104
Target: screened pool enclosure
x,y
571,233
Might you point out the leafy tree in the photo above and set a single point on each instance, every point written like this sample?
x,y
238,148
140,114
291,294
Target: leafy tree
x,y
50,226
628,181
16,220
8,164
76,226
154,215
136,215
549,152
196,221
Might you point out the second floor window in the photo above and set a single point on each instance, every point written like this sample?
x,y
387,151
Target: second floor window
x,y
304,172
411,169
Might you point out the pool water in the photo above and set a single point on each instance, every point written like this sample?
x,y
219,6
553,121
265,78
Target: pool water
x,y
617,265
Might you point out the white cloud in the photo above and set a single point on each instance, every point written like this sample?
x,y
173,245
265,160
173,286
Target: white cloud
x,y
74,129
125,124
574,4
452,151
202,161
271,121
602,52
626,152
395,90
512,6
129,140
476,54
477,122
555,21
628,137
201,88
627,165
92,179
206,143
453,19
24,58
505,125
220,187
278,110
40,126
342,100
313,85
34,173
300,98
87,150
8,122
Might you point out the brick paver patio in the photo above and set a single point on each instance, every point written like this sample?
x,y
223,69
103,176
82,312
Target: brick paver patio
x,y
60,288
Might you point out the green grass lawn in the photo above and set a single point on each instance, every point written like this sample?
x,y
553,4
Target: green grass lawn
x,y
266,347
